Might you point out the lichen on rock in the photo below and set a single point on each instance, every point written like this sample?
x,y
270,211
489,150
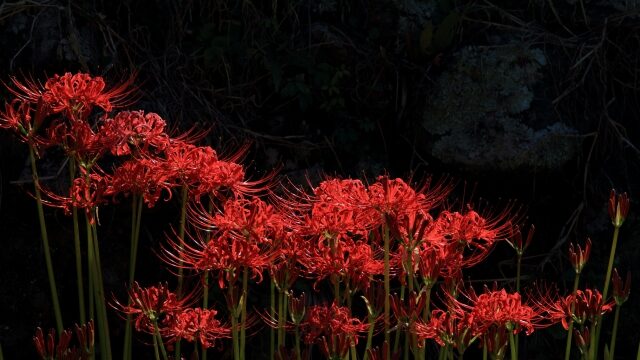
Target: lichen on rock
x,y
481,114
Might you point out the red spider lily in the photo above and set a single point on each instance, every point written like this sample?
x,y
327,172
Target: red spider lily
x,y
347,260
23,118
618,208
195,325
86,192
330,321
141,177
395,198
471,230
243,235
135,129
151,305
447,329
48,349
579,256
586,304
78,140
183,162
500,309
79,93
28,90
620,291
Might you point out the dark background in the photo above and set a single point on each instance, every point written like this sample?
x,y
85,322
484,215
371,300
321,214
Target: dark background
x,y
535,101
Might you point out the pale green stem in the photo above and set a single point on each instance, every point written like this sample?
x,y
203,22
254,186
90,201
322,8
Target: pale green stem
x,y
387,288
181,230
298,355
567,349
426,314
158,337
234,329
605,290
612,348
396,341
136,215
243,314
98,288
272,345
354,355
372,321
484,349
77,248
281,320
512,346
205,305
45,243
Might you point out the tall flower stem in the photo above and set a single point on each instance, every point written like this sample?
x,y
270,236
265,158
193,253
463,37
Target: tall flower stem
x,y
136,215
298,355
98,288
512,346
567,349
181,229
426,313
234,325
243,314
78,249
614,334
272,311
205,305
605,290
387,288
45,243
158,339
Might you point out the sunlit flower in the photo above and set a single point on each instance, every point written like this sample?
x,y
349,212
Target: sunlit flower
x,y
195,325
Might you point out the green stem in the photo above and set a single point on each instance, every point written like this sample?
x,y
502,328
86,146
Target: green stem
x,y
181,230
101,308
78,249
484,349
426,314
605,290
156,333
281,319
387,288
45,243
136,215
354,355
512,346
396,340
612,348
272,298
567,349
234,328
205,305
372,321
298,355
243,314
